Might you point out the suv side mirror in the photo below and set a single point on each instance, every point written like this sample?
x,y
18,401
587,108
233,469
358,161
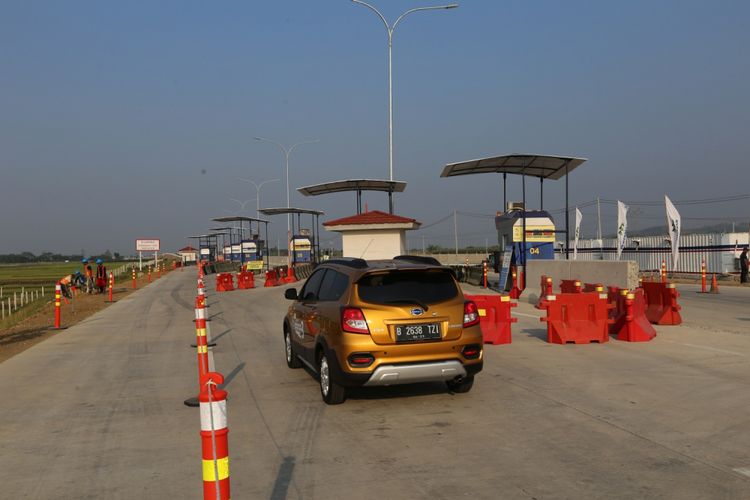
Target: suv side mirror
x,y
290,293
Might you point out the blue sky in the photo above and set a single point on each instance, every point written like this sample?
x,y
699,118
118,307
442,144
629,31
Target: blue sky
x,y
110,112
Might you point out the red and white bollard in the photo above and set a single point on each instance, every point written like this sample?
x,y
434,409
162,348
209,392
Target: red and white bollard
x,y
134,280
58,296
484,273
663,271
201,338
214,437
111,285
703,276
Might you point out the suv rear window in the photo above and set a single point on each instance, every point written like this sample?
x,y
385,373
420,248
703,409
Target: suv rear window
x,y
428,287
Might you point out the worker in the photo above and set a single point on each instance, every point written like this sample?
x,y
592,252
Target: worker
x,y
89,275
101,276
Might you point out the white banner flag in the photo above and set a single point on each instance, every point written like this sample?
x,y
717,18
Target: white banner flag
x,y
673,228
622,227
579,216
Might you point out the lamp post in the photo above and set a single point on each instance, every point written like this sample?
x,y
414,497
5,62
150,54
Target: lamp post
x,y
257,193
390,29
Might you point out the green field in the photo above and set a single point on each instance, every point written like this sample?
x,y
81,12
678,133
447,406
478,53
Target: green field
x,y
14,276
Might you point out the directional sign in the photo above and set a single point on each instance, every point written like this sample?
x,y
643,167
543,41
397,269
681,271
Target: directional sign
x,y
147,245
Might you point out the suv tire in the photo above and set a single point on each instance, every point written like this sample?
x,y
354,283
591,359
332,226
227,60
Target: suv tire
x,y
461,386
330,390
292,361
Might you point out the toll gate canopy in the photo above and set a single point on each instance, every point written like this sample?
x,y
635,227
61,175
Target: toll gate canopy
x,y
315,221
236,234
533,165
356,185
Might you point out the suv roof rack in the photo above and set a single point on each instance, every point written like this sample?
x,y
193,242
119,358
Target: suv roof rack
x,y
349,262
421,259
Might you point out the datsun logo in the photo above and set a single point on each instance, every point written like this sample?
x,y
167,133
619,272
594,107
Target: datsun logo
x,y
417,311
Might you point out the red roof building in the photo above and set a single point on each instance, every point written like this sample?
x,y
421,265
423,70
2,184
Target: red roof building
x,y
373,235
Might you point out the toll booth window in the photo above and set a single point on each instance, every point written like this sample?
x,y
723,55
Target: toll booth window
x,y
428,287
333,286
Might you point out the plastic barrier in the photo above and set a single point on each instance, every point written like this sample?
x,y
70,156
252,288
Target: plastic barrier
x,y
616,297
271,279
494,317
593,287
214,437
224,282
570,286
245,280
661,303
632,325
290,277
578,318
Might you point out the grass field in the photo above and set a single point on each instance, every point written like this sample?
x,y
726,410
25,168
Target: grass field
x,y
38,274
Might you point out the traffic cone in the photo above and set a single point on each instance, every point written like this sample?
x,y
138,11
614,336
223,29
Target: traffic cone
x,y
714,284
214,441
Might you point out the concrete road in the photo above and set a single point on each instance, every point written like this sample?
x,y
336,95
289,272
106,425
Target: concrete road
x,y
97,412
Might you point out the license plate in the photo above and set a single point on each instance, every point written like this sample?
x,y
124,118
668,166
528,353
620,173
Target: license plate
x,y
413,333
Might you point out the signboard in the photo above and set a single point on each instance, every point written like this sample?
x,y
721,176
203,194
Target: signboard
x,y
254,265
505,268
147,245
534,233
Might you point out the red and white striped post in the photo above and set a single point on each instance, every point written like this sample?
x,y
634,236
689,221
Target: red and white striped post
x,y
703,276
484,273
201,339
214,438
111,285
58,296
663,271
134,280
201,292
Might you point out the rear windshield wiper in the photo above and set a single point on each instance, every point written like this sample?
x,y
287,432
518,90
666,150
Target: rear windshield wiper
x,y
409,301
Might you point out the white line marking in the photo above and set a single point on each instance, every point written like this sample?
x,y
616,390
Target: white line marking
x,y
745,471
707,348
526,315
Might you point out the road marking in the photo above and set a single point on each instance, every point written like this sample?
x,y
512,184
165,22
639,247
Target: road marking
x,y
526,315
707,348
745,471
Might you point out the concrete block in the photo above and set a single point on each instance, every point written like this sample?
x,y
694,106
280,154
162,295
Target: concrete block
x,y
623,274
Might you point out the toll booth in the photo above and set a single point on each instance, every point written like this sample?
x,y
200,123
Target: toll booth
x,y
252,250
300,248
540,232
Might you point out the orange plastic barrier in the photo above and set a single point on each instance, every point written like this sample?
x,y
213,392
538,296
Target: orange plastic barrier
x,y
290,277
245,280
633,325
570,286
545,286
271,279
494,317
578,318
661,303
593,287
224,282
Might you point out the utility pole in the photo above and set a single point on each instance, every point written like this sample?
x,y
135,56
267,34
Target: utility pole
x,y
599,233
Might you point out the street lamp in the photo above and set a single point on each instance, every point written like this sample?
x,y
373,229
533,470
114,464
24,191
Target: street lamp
x,y
287,152
390,29
257,193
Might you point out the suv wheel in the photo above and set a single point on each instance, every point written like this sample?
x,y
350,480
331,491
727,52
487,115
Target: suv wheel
x,y
332,392
461,385
292,361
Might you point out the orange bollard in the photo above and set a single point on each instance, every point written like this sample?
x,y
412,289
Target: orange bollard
x,y
111,285
663,271
703,276
214,437
484,273
134,280
58,295
201,339
149,274
158,270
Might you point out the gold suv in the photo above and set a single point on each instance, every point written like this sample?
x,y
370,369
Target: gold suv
x,y
374,323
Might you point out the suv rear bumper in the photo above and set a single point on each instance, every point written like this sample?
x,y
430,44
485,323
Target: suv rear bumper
x,y
414,373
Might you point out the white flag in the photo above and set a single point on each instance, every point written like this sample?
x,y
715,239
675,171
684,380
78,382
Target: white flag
x,y
579,216
622,227
673,228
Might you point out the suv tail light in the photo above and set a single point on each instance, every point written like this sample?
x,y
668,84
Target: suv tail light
x,y
361,359
471,314
471,351
353,321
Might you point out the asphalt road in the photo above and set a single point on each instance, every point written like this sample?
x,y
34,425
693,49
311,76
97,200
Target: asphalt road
x,y
97,412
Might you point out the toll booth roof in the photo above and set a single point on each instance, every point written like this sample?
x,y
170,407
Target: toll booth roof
x,y
238,218
289,210
533,165
353,185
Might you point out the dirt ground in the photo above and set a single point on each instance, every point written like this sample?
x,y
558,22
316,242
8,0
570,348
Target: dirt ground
x,y
37,328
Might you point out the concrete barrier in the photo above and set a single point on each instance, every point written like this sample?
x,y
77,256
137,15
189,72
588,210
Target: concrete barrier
x,y
622,274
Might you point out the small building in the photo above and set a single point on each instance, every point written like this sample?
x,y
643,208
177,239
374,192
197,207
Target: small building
x,y
373,235
188,255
